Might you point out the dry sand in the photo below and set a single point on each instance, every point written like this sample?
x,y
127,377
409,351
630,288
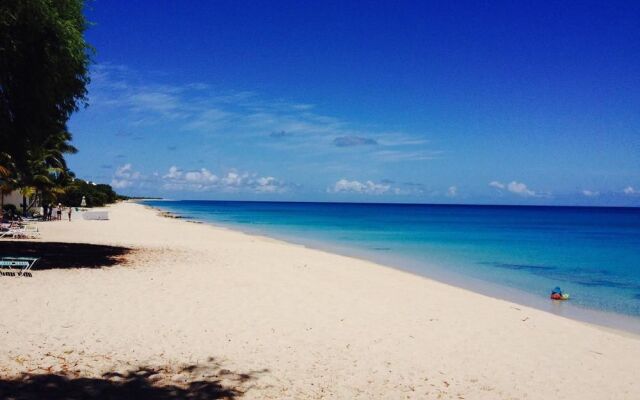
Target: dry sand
x,y
276,320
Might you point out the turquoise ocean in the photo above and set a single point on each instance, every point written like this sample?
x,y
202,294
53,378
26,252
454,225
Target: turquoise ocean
x,y
511,252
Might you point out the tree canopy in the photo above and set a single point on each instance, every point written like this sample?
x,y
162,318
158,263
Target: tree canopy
x,y
94,194
44,72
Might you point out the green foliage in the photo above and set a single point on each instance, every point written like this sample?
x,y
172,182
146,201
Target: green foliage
x,y
110,194
44,63
96,195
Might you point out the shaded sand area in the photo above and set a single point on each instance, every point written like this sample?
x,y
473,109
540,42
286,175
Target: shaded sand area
x,y
168,309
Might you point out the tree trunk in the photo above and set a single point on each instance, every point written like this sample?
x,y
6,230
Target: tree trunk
x,y
33,201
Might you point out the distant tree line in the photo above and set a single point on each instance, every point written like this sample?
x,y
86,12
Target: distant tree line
x,y
44,72
95,195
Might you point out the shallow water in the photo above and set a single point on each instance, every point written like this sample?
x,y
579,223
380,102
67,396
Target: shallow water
x,y
513,252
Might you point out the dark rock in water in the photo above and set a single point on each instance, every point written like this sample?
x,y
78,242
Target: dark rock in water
x,y
167,214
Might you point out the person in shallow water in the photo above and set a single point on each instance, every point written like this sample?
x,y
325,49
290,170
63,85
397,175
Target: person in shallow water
x,y
556,294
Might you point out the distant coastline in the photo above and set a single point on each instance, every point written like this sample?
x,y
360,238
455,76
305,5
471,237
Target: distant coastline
x,y
488,205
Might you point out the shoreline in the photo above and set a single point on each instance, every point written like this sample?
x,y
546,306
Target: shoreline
x,y
301,323
603,319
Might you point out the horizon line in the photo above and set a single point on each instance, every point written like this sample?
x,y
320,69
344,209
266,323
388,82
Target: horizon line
x,y
386,203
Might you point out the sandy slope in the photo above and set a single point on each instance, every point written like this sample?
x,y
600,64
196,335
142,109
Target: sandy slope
x,y
302,323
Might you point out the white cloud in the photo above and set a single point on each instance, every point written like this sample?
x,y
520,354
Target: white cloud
x,y
174,173
198,180
203,176
120,183
629,190
268,184
497,185
233,181
368,187
452,191
518,188
590,193
126,171
125,177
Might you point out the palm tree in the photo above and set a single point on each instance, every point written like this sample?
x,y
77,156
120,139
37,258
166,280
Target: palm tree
x,y
45,171
4,165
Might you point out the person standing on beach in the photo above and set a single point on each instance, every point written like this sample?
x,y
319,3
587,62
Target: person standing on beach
x,y
59,211
69,213
50,212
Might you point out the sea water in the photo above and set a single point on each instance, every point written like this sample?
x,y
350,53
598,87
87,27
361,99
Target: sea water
x,y
513,252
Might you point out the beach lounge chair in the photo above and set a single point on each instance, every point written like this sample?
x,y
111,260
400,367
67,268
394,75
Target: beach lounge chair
x,y
31,230
23,264
21,231
9,232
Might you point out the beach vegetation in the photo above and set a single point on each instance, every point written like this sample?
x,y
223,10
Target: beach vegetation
x,y
96,195
44,73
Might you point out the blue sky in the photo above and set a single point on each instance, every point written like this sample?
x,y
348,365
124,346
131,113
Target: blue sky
x,y
470,102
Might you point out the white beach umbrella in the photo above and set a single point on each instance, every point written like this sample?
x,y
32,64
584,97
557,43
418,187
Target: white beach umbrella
x,y
83,203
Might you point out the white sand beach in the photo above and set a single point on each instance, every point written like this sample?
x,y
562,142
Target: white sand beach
x,y
279,321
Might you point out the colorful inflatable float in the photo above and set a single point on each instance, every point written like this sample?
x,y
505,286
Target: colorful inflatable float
x,y
556,294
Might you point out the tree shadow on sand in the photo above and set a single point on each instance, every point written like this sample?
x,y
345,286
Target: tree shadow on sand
x,y
55,255
144,383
